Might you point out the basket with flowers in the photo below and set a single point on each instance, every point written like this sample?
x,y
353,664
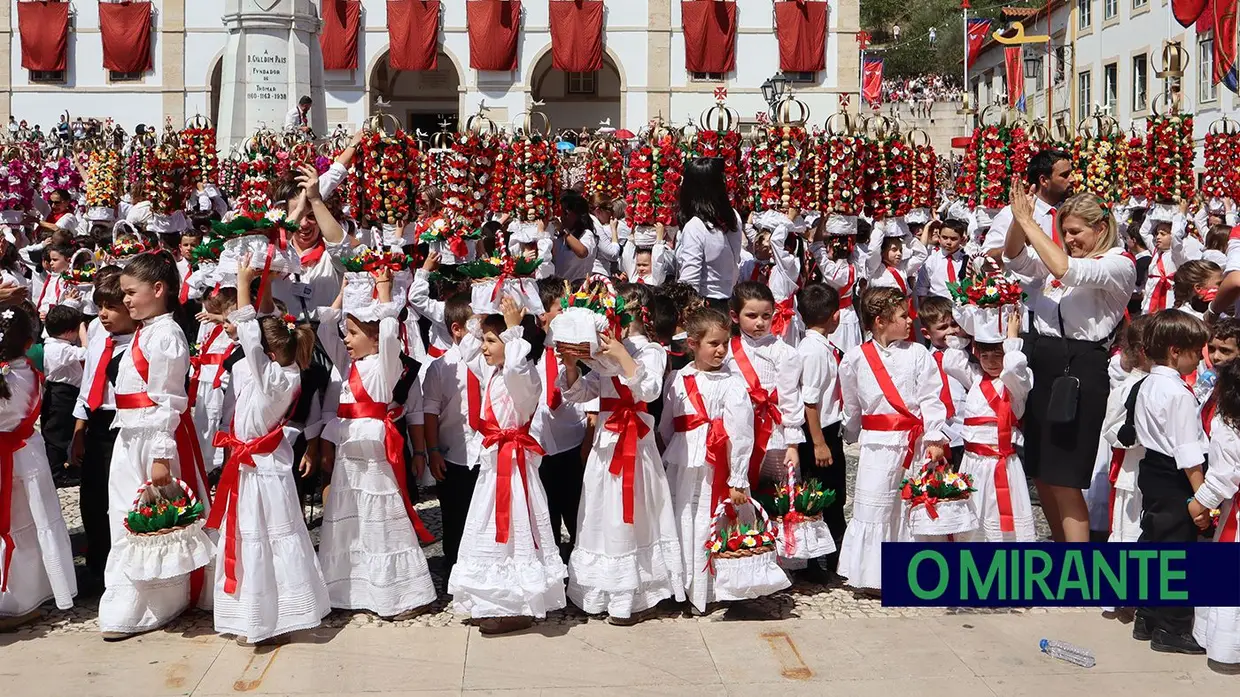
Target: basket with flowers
x,y
937,501
797,508
83,276
123,250
166,537
742,553
494,277
361,270
983,303
1169,157
595,308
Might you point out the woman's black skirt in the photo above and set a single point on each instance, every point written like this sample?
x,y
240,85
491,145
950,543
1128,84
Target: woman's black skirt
x,y
1063,454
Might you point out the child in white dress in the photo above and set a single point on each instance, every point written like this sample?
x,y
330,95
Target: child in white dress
x,y
707,424
771,370
895,256
627,556
208,378
891,391
267,578
508,570
369,550
36,559
992,413
156,442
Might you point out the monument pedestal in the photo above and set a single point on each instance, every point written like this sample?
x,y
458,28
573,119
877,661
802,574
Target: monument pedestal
x,y
267,67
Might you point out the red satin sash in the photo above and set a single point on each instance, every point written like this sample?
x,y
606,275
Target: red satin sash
x,y
1158,296
846,296
766,414
626,422
945,393
1004,420
513,444
551,371
718,444
10,443
903,286
903,419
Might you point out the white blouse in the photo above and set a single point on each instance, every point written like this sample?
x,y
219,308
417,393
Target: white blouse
x,y
379,373
265,390
1092,295
778,367
511,391
163,343
916,378
1222,480
708,258
1016,380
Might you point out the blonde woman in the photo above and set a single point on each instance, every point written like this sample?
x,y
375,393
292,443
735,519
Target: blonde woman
x,y
1086,285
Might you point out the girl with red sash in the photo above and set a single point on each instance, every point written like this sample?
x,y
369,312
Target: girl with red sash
x,y
707,424
771,370
36,559
155,441
991,417
267,580
838,257
1123,501
369,549
1163,233
209,380
508,570
627,557
1217,629
785,273
895,256
891,389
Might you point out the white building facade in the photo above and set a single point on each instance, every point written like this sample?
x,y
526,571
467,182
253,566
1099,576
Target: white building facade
x,y
199,47
1104,58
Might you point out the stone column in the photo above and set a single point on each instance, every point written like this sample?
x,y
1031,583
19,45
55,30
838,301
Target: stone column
x,y
268,66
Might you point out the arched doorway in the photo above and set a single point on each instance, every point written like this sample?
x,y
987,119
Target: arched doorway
x,y
578,100
217,77
422,100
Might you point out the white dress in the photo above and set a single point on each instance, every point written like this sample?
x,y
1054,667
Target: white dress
x,y
1124,499
144,434
215,347
1014,381
689,475
522,575
842,275
1218,628
279,587
621,567
369,550
877,508
41,567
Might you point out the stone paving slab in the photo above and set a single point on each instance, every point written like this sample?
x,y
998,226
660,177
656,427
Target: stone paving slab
x,y
949,656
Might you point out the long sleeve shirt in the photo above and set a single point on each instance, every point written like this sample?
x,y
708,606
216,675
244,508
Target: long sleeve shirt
x,y
916,378
709,258
1091,297
725,397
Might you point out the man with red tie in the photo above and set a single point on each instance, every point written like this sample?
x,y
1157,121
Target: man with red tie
x,y
107,338
1050,173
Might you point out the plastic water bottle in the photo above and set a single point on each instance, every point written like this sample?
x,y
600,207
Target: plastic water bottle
x,y
1068,652
1205,384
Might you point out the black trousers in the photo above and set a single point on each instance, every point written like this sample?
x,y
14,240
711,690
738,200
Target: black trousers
x,y
561,475
1165,491
93,491
57,422
455,492
834,477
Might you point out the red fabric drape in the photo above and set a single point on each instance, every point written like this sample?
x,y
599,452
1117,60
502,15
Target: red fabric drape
x,y
1224,23
802,29
577,35
872,79
126,31
413,34
338,42
44,27
493,29
710,35
1187,11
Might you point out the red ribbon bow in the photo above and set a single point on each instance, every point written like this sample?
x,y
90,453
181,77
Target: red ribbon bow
x,y
625,421
513,444
240,453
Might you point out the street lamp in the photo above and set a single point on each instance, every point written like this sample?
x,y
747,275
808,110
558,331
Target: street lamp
x,y
1033,65
774,88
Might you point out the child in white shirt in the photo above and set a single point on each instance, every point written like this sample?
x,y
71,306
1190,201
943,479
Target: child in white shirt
x,y
63,355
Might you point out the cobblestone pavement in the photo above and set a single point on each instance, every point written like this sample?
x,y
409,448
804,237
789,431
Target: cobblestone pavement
x,y
804,600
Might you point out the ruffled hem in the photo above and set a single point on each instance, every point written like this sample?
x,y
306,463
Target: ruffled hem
x,y
508,588
622,604
653,564
748,577
155,557
387,584
1126,518
861,553
129,608
1217,629
264,635
955,517
259,616
808,540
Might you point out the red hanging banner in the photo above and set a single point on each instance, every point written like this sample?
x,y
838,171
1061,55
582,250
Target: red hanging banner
x,y
978,30
338,42
1187,11
1225,71
872,80
493,29
576,35
413,34
126,31
710,35
44,27
1012,64
802,29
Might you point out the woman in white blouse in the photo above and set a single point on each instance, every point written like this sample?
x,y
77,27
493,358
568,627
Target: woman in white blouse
x,y
1086,285
708,248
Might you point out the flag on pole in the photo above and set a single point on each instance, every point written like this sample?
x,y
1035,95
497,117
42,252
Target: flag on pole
x,y
977,31
872,80
1224,13
1015,77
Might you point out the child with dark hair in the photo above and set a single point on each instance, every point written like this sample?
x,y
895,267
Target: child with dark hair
x,y
1217,629
107,338
940,330
838,258
63,354
1195,284
1115,503
155,442
1165,421
56,260
1223,347
772,372
36,558
892,398
822,453
559,426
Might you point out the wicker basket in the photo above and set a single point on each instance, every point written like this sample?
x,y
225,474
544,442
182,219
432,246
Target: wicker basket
x,y
944,517
750,572
166,553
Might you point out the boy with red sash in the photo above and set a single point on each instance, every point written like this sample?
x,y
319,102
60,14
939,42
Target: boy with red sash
x,y
707,424
891,390
991,418
508,571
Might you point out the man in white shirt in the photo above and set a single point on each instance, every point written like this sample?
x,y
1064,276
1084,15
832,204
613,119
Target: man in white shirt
x,y
1050,174
297,120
